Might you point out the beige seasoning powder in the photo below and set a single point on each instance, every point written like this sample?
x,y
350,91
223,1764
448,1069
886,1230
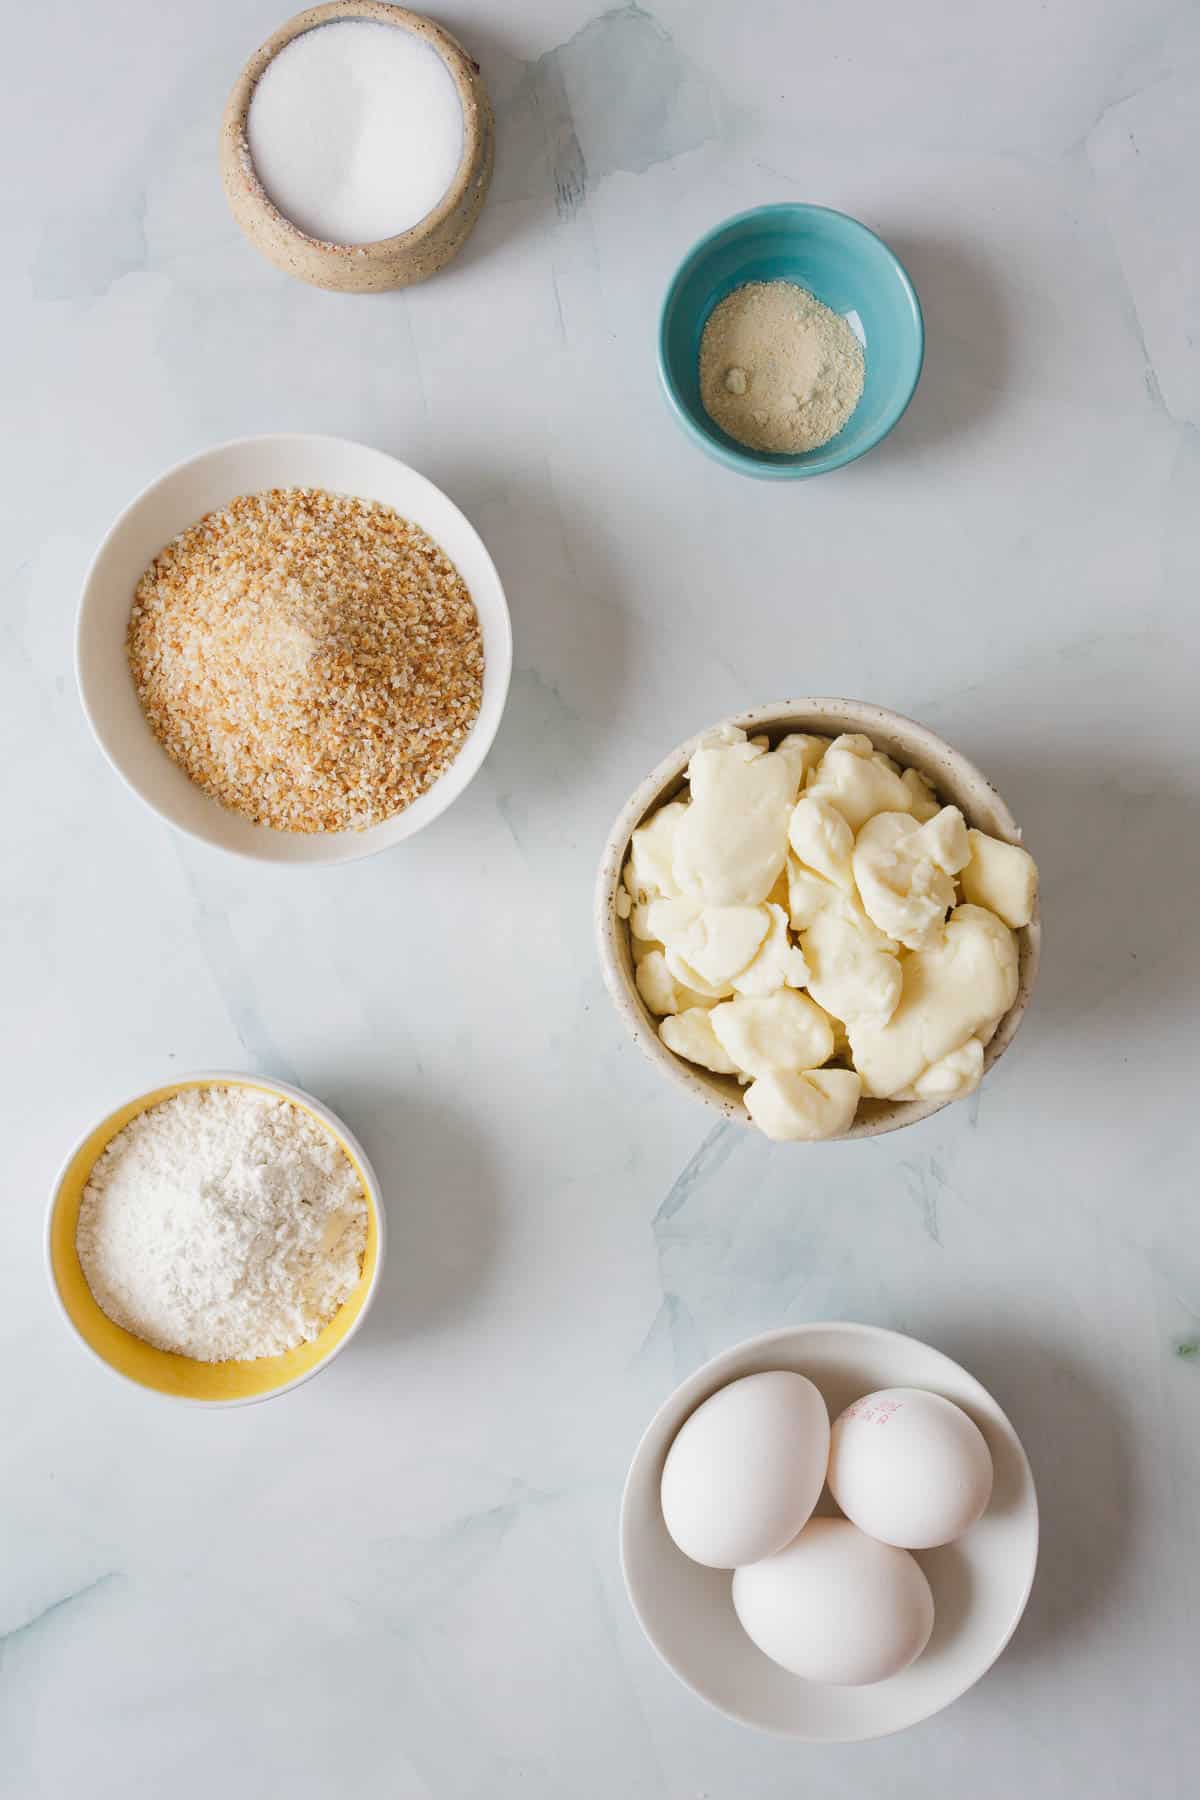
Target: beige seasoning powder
x,y
778,370
311,660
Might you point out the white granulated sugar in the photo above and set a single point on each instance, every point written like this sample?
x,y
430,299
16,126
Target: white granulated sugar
x,y
223,1223
355,131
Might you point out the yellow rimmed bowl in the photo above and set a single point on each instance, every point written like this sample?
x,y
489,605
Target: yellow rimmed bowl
x,y
162,1371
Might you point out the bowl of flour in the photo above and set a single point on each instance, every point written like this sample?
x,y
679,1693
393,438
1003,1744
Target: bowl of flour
x,y
790,342
216,1240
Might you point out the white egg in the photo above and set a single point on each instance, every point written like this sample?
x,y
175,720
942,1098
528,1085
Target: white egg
x,y
836,1606
910,1468
746,1469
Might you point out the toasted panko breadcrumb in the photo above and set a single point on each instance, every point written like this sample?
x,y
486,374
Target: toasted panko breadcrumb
x,y
311,660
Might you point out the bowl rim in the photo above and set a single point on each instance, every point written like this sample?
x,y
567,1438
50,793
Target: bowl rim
x,y
463,71
218,1078
478,743
805,713
768,465
725,1364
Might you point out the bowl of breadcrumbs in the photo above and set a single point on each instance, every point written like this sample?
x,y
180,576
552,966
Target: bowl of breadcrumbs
x,y
295,648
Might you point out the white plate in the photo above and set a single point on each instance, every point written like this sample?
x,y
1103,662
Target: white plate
x,y
980,1584
175,501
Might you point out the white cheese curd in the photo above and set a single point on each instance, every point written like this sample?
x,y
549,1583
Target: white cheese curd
x,y
727,734
822,840
807,894
780,1031
662,919
648,871
690,1034
943,840
777,964
924,800
964,981
803,1108
716,762
721,941
778,895
954,1076
685,976
730,847
659,988
853,970
803,752
904,873
1003,877
656,984
850,779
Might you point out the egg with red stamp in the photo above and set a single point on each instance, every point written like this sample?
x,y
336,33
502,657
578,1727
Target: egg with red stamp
x,y
910,1468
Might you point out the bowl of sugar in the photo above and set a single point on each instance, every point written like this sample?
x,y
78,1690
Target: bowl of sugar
x,y
357,147
217,1240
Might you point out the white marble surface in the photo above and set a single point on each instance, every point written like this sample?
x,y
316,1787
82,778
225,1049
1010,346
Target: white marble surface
x,y
402,1579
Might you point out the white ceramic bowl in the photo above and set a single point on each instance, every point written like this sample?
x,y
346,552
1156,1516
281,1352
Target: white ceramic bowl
x,y
175,501
980,1584
958,783
161,1371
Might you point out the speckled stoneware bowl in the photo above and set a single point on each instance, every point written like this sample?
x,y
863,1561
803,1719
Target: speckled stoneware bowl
x,y
392,262
958,783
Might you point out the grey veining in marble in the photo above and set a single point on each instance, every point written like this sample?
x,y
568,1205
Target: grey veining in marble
x,y
403,1579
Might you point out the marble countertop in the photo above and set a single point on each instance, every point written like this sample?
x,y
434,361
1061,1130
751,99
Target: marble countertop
x,y
402,1579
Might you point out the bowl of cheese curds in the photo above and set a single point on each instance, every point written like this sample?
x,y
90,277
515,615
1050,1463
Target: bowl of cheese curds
x,y
819,918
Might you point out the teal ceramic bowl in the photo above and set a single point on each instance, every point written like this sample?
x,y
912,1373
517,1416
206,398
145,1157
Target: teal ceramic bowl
x,y
845,266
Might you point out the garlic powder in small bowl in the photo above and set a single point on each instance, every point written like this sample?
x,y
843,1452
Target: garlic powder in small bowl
x,y
849,272
779,371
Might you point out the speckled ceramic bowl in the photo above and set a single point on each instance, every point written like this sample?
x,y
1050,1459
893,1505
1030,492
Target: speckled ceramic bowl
x,y
957,782
161,1371
392,262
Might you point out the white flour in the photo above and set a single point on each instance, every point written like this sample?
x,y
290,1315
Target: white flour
x,y
222,1223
